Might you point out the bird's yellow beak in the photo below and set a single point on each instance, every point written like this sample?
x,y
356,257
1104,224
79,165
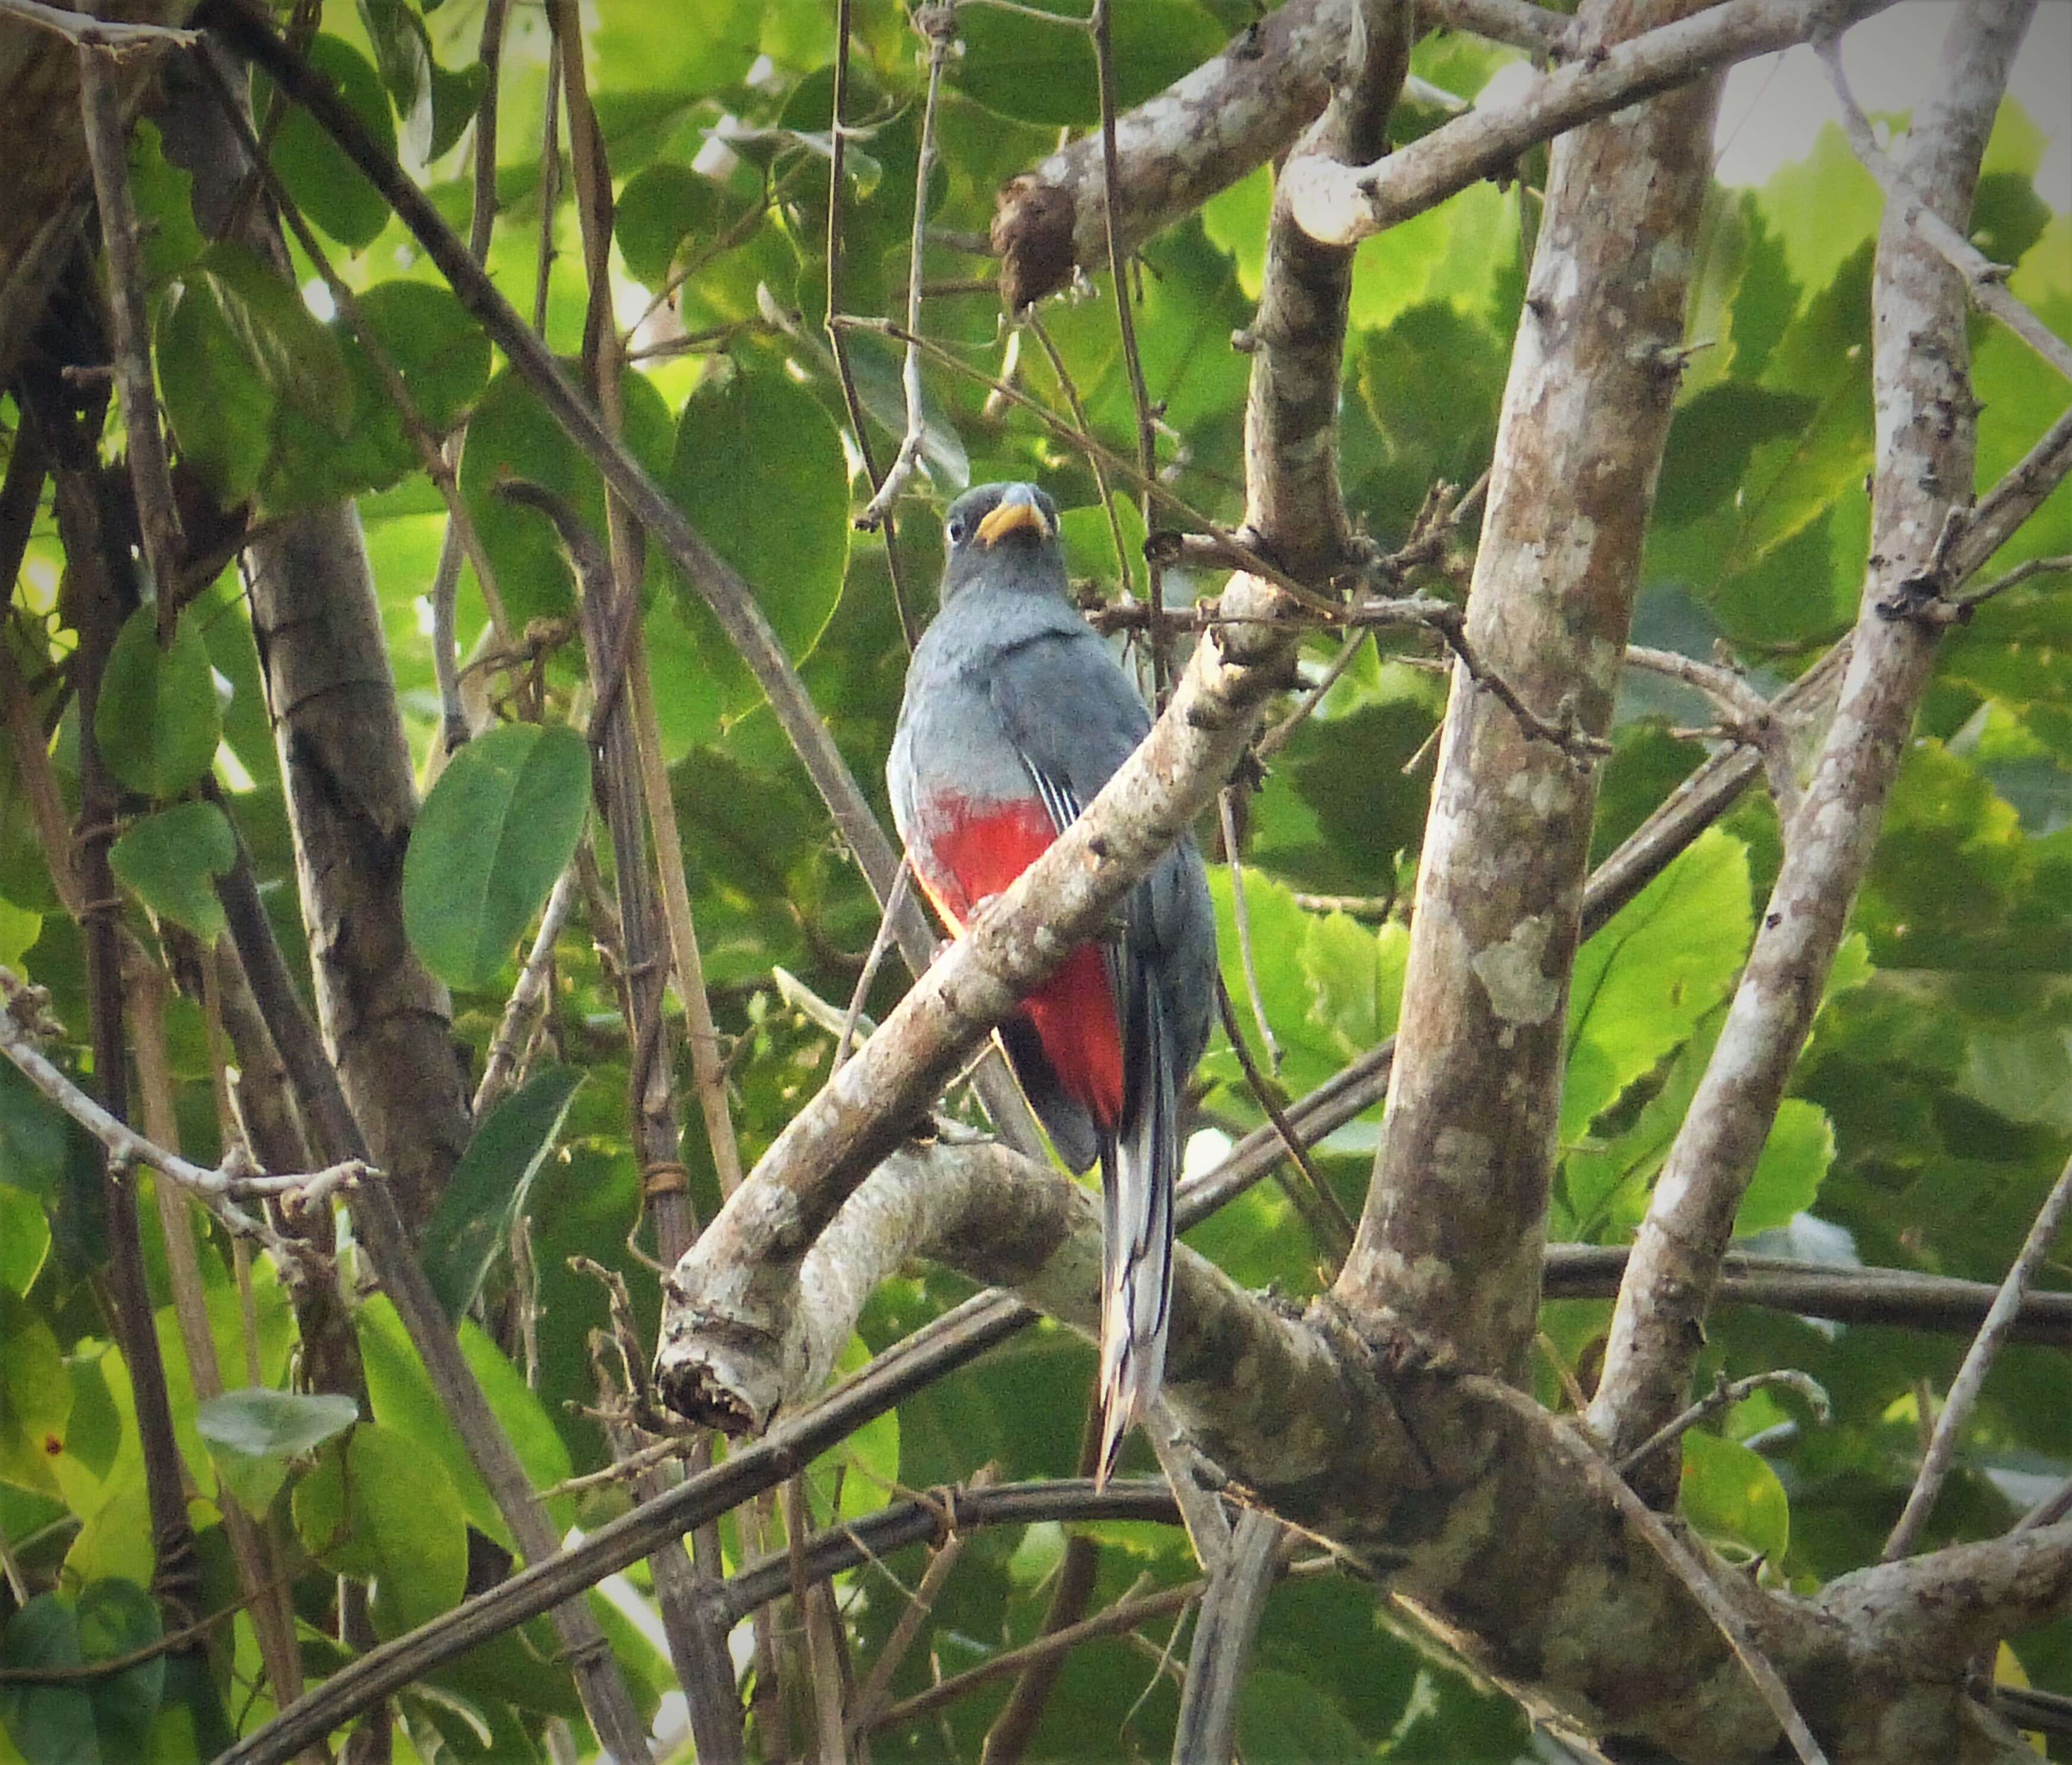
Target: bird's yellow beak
x,y
1013,516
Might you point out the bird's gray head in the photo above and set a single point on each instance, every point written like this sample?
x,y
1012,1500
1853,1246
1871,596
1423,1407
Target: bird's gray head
x,y
1005,535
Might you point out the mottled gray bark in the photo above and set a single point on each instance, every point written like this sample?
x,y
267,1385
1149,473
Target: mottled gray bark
x,y
1450,1241
1925,429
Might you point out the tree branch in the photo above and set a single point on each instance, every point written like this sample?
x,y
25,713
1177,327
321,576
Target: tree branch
x,y
1344,204
1451,1239
1925,436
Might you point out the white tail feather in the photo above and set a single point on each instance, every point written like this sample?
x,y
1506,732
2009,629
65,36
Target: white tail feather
x,y
1136,1240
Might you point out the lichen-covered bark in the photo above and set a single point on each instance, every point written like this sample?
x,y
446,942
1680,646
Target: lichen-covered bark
x,y
1924,434
1449,1244
387,1022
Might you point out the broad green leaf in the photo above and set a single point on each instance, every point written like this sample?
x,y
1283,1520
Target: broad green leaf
x,y
758,469
326,185
438,350
35,1398
116,1618
164,196
253,1433
1642,984
170,862
19,929
499,826
1284,1717
1731,1495
512,436
25,1240
48,1725
221,412
379,1505
1786,1180
663,206
158,721
488,1187
1041,73
404,1401
1711,439
35,1137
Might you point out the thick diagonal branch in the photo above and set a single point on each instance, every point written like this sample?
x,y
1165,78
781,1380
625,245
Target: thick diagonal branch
x,y
1450,1241
1926,421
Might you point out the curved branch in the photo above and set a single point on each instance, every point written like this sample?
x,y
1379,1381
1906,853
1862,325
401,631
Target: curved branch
x,y
1343,205
1926,432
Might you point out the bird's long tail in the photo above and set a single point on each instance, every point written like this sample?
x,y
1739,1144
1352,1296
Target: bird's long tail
x,y
1139,1168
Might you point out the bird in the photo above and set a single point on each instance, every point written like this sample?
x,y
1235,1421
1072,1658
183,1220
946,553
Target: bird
x,y
1015,714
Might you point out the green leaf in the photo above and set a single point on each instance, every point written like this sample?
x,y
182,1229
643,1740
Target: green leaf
x,y
404,1399
512,436
1731,1495
379,1505
35,1398
25,1239
1039,72
220,411
252,1433
115,1619
660,208
1286,1718
35,1137
499,826
170,861
488,1187
158,721
1643,983
742,437
1786,1180
1711,439
439,350
49,1725
19,929
325,184
164,196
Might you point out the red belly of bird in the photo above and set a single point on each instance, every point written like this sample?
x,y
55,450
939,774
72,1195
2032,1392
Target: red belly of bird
x,y
977,853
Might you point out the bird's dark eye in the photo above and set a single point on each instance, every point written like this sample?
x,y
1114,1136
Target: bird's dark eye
x,y
956,528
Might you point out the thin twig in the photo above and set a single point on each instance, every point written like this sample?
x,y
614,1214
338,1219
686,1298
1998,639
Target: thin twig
x,y
1330,1211
938,25
550,181
219,1189
876,1689
851,399
481,220
1985,280
514,1028
1139,396
879,944
1971,1378
1126,1615
1273,740
2015,578
110,34
150,475
1725,1394
1102,487
1241,914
